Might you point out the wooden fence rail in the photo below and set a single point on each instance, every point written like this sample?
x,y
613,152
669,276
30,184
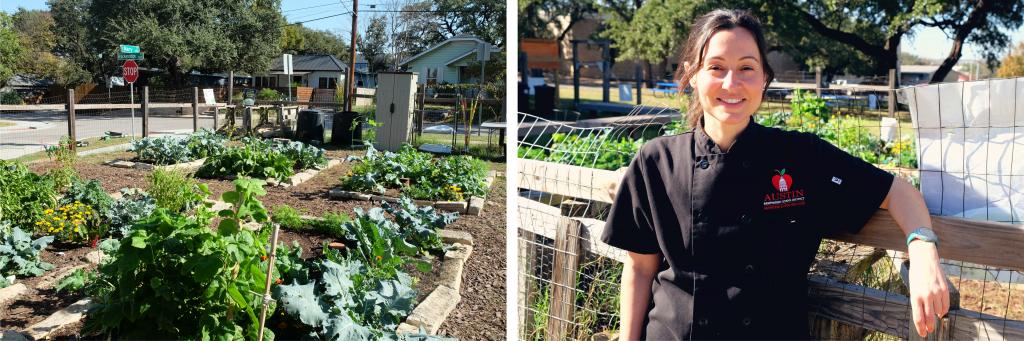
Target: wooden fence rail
x,y
981,242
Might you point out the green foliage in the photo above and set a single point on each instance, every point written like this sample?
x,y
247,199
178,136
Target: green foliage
x,y
254,158
419,224
19,253
304,155
65,157
168,150
195,283
601,150
72,223
25,194
10,97
90,193
449,178
10,49
651,32
176,191
134,205
268,94
379,243
287,216
76,281
807,105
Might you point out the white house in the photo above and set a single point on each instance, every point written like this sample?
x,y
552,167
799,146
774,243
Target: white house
x,y
447,61
315,71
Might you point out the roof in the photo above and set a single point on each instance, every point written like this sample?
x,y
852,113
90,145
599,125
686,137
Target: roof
x,y
457,59
28,81
443,43
310,62
919,68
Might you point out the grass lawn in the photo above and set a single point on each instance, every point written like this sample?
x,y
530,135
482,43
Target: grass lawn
x,y
94,143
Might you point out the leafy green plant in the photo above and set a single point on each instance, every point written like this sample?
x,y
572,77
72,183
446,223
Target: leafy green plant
x,y
204,143
88,192
134,205
65,157
253,159
165,150
287,216
304,155
10,97
419,224
175,190
807,104
176,278
448,178
268,94
24,195
19,253
76,281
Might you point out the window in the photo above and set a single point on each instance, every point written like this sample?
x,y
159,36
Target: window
x,y
265,82
327,83
431,76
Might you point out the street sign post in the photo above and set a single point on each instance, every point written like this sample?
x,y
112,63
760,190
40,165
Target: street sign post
x,y
130,72
286,62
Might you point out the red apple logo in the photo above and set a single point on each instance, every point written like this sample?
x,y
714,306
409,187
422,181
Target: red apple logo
x,y
782,181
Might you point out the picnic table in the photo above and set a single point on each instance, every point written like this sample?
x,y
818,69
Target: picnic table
x,y
667,88
500,126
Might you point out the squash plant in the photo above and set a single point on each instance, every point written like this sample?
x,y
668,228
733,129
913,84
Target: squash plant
x,y
173,277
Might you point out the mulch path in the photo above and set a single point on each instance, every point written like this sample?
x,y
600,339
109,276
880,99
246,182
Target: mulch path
x,y
480,315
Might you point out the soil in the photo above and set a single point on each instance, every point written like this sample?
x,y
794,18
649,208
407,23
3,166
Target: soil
x,y
480,314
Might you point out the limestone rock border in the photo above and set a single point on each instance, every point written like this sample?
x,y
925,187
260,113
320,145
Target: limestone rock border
x,y
434,310
474,205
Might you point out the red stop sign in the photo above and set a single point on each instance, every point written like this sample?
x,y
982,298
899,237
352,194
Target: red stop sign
x,y
131,71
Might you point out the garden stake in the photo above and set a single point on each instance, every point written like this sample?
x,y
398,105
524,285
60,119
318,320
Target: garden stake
x,y
270,275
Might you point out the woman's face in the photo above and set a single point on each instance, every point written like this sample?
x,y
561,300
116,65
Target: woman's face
x,y
729,83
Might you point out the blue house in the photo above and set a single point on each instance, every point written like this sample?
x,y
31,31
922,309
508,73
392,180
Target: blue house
x,y
447,61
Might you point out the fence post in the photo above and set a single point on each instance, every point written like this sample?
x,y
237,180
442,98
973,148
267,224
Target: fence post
x,y
195,109
563,280
892,93
817,81
71,119
247,119
145,111
639,84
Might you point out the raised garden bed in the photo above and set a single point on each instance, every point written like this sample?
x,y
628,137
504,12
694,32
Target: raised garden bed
x,y
451,183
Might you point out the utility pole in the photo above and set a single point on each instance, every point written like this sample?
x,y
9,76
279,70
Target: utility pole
x,y
350,82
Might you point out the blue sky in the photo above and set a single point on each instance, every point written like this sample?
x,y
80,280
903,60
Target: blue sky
x,y
928,43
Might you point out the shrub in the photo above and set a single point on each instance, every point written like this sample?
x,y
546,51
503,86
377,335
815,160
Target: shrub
x,y
176,191
11,97
268,94
24,194
65,157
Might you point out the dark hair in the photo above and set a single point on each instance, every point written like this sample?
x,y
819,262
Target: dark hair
x,y
692,55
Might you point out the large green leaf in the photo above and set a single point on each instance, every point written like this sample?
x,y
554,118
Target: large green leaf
x,y
301,300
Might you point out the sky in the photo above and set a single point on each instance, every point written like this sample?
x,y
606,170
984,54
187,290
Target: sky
x,y
929,42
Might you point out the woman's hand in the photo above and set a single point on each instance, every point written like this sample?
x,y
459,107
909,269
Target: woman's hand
x,y
929,294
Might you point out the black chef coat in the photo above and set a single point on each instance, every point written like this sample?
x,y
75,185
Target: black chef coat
x,y
737,231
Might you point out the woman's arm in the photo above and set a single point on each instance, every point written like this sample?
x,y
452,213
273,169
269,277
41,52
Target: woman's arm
x,y
929,294
637,273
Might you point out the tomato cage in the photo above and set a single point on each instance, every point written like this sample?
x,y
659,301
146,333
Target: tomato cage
x,y
961,144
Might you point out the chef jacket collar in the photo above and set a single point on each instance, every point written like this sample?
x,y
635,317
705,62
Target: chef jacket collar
x,y
745,142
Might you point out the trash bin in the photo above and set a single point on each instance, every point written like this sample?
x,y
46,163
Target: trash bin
x,y
310,126
543,100
342,132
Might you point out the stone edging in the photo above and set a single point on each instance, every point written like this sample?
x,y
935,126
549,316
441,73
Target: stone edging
x,y
303,176
473,206
434,310
187,166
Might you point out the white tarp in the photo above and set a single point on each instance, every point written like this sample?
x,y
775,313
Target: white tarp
x,y
970,138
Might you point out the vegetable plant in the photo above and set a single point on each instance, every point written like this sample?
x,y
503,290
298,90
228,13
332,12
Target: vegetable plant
x,y
175,190
449,178
24,195
134,205
252,159
19,254
175,278
73,223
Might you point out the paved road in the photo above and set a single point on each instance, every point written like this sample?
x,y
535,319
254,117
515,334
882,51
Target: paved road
x,y
35,130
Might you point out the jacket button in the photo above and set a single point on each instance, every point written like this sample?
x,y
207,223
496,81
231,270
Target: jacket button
x,y
703,322
745,219
746,322
750,268
703,164
746,164
702,217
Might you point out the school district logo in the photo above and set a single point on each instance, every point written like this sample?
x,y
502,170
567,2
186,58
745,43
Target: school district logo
x,y
786,194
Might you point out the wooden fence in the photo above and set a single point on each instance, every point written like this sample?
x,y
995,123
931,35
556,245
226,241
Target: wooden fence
x,y
994,244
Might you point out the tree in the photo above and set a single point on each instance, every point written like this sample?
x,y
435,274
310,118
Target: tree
x,y
177,36
374,45
35,30
484,19
1013,64
10,49
422,30
292,39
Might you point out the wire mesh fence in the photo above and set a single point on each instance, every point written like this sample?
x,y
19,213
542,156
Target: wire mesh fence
x,y
570,168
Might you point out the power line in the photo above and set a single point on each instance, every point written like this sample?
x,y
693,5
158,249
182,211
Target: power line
x,y
320,18
304,8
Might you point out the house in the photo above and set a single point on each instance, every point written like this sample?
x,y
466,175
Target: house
x,y
922,74
447,61
316,71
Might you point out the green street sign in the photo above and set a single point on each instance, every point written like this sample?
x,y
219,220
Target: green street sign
x,y
131,56
129,49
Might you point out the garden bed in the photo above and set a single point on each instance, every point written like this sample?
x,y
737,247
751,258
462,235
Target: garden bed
x,y
472,206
